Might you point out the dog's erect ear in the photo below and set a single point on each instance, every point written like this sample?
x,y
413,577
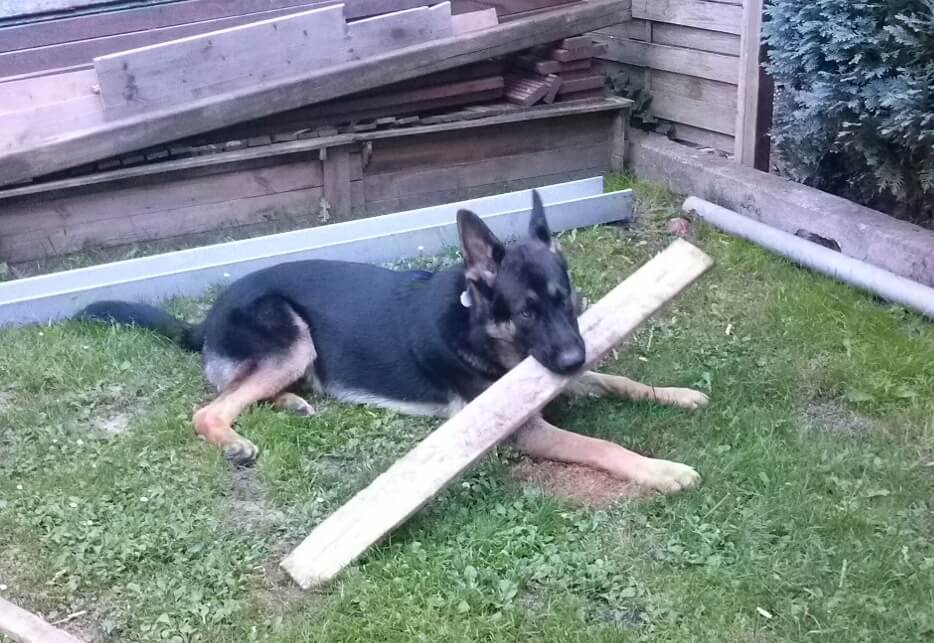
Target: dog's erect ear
x,y
482,250
538,225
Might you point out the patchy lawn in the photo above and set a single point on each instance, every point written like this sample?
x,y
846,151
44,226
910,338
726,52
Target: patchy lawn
x,y
814,521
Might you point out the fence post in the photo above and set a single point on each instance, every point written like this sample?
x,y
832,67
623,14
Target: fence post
x,y
754,95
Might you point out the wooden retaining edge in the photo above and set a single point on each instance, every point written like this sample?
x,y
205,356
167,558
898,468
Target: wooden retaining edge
x,y
137,132
509,114
451,449
26,627
373,240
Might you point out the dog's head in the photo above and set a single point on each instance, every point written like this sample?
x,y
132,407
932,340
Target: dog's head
x,y
521,294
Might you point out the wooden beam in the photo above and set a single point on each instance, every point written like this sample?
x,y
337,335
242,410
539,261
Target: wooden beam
x,y
474,20
186,69
147,18
702,14
674,59
26,627
451,449
755,90
216,111
380,34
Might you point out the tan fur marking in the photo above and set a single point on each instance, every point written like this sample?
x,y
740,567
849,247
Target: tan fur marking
x,y
265,381
540,439
599,385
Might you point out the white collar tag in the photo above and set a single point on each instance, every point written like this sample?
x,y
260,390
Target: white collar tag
x,y
466,301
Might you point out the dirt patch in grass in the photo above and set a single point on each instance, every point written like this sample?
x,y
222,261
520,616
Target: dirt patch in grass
x,y
581,485
112,424
250,507
831,416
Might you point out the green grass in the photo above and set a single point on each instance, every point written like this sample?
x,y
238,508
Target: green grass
x,y
814,522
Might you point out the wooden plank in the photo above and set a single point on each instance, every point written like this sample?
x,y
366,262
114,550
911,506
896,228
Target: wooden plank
x,y
703,138
569,55
379,34
545,67
554,86
525,91
376,240
47,121
449,148
675,59
474,20
126,21
26,94
751,135
721,96
26,627
220,110
300,204
619,139
389,185
337,183
698,113
634,29
31,7
713,41
190,68
581,84
508,7
480,116
461,441
43,213
702,14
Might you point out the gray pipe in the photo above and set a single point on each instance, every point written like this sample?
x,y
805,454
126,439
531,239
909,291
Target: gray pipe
x,y
851,271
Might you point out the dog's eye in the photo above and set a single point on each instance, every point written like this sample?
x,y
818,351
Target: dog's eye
x,y
527,313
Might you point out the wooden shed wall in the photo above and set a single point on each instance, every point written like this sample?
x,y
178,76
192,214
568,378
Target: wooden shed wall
x,y
687,54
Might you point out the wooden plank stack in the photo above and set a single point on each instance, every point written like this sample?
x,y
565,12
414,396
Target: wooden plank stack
x,y
563,71
229,105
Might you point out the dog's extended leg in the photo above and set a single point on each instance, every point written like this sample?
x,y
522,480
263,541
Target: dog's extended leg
x,y
596,384
295,403
540,439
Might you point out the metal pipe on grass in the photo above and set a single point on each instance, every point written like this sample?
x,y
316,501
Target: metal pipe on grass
x,y
877,281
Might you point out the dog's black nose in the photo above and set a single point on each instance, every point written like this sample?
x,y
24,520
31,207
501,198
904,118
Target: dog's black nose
x,y
569,359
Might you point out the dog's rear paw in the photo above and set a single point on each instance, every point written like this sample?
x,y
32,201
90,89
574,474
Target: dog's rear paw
x,y
667,476
686,398
241,453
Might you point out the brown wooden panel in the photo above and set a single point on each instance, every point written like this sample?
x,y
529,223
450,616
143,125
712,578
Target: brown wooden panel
x,y
678,36
174,223
702,14
448,148
391,185
154,200
704,138
675,59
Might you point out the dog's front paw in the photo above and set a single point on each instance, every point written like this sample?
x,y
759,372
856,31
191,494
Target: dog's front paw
x,y
666,476
241,453
686,398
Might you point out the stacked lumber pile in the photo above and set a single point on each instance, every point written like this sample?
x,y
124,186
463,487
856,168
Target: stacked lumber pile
x,y
116,92
563,71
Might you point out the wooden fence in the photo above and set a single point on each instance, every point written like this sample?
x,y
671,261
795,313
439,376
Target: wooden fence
x,y
700,61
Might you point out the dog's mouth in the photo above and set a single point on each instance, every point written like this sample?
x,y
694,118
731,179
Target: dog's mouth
x,y
565,361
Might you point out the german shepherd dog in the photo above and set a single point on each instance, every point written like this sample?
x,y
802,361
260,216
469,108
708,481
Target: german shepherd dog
x,y
412,341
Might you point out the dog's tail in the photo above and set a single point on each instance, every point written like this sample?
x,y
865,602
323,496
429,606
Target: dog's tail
x,y
186,335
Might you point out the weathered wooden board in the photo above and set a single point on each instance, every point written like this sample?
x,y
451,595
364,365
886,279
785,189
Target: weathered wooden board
x,y
125,21
26,627
190,68
49,120
663,33
749,128
474,20
30,93
379,34
702,14
675,59
217,111
702,137
525,91
452,448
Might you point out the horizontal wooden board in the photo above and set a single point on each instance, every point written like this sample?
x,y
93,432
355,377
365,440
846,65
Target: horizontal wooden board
x,y
675,59
701,39
50,120
452,148
190,68
704,138
218,111
721,96
26,94
378,187
380,34
474,20
125,21
175,223
702,14
692,111
37,215
426,199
